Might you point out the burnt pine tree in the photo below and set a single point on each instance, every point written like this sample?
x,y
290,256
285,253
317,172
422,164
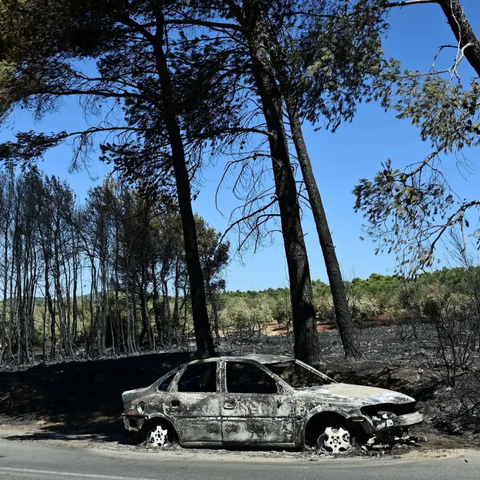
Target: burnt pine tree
x,y
199,302
40,47
459,23
109,26
323,71
463,31
234,46
249,16
288,63
312,78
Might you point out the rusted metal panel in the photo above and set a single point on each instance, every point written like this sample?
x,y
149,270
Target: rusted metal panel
x,y
257,418
258,431
197,416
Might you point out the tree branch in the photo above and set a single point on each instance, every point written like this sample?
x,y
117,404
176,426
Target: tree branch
x,y
247,217
203,23
463,31
408,2
452,220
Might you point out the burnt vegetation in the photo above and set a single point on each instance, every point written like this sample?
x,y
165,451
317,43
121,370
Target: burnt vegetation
x,y
171,88
106,277
421,338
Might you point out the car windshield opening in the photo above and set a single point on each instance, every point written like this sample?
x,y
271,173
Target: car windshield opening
x,y
298,376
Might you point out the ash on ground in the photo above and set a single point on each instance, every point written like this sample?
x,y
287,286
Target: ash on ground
x,y
83,397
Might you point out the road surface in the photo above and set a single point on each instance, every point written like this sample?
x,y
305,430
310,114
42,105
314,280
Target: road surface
x,y
20,459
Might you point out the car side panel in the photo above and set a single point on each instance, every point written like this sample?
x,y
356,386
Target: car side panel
x,y
197,416
257,419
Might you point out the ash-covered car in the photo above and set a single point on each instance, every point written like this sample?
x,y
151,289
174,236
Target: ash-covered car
x,y
264,401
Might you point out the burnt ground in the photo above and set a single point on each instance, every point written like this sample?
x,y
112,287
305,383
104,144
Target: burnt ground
x,y
82,399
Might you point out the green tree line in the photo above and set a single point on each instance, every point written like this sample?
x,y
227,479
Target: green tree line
x,y
376,301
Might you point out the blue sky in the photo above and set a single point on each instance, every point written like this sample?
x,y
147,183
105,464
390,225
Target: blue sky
x,y
355,151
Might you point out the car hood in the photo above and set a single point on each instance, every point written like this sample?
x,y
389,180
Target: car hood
x,y
356,393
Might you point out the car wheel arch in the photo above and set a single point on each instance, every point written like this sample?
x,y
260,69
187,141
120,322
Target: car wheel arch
x,y
317,422
158,419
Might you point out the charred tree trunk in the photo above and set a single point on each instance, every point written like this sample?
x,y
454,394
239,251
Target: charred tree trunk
x,y
213,302
156,303
76,269
12,300
62,317
463,31
167,314
175,316
6,259
201,323
19,298
30,286
306,346
131,332
342,311
146,324
118,316
103,297
52,313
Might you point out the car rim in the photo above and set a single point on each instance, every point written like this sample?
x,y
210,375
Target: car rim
x,y
158,437
336,440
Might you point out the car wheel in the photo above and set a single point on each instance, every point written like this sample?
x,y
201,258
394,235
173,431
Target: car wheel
x,y
334,440
158,436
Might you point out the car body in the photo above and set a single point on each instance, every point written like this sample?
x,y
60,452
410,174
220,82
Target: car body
x,y
262,400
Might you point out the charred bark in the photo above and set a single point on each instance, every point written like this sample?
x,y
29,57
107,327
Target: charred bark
x,y
201,322
463,31
342,311
458,22
306,347
155,301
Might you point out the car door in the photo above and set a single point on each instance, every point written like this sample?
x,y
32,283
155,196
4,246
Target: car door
x,y
255,409
194,405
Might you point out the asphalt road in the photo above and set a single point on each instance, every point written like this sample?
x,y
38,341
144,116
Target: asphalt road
x,y
41,461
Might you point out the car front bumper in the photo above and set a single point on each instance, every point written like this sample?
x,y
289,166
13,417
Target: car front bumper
x,y
385,421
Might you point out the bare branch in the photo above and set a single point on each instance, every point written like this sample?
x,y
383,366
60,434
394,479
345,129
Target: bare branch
x,y
455,218
249,216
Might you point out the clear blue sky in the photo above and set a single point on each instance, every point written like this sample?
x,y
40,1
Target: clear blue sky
x,y
355,151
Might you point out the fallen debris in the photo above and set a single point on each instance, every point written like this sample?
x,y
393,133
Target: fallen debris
x,y
375,445
383,443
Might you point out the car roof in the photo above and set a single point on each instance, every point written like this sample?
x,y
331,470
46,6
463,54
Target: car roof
x,y
267,358
257,357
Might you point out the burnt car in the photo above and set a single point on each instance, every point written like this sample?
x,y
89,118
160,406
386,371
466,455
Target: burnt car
x,y
264,401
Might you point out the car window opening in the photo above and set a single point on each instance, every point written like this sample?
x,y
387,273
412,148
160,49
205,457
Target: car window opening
x,y
248,378
199,377
297,376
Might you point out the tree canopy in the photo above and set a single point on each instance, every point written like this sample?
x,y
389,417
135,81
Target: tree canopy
x,y
409,210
